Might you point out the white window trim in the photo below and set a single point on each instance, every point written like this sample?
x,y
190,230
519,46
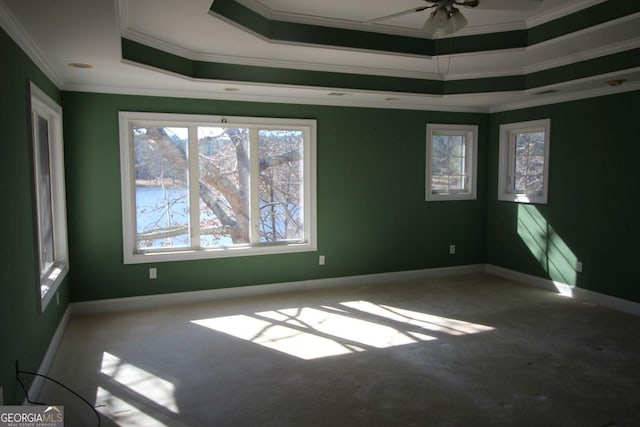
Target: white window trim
x,y
506,158
131,256
471,161
43,106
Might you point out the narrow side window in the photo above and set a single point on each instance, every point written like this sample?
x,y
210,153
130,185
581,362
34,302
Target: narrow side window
x,y
49,194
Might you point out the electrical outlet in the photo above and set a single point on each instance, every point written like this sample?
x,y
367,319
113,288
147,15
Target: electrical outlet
x,y
578,267
153,273
452,249
321,260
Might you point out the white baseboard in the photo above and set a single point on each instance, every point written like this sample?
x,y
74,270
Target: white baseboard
x,y
43,369
586,295
153,301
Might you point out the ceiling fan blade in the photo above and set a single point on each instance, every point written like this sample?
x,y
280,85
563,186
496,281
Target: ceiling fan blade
x,y
394,15
524,5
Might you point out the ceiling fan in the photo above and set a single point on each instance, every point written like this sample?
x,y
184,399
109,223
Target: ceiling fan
x,y
447,18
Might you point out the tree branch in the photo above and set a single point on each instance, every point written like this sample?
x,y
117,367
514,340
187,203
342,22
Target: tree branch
x,y
165,233
215,205
273,161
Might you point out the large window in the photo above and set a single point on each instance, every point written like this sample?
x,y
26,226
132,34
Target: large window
x,y
207,186
48,171
451,162
524,161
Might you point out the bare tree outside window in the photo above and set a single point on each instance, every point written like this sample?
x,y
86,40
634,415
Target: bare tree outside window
x,y
224,186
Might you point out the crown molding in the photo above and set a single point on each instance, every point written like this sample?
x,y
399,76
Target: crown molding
x,y
535,20
583,56
173,49
573,96
21,37
557,13
431,103
300,65
427,103
424,102
159,44
579,33
122,15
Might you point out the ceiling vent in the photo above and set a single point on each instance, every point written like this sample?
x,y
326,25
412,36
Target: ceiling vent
x,y
546,92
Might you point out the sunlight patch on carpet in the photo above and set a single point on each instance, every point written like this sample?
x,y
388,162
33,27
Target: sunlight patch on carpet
x,y
349,327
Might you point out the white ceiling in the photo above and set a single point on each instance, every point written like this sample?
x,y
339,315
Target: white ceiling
x,y
56,33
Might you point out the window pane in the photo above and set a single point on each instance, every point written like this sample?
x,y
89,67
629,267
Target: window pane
x,y
440,146
280,181
449,163
439,166
44,205
534,184
536,148
224,186
521,165
529,162
162,198
522,144
536,165
456,145
440,184
456,166
456,183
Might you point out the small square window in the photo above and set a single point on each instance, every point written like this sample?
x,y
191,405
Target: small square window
x,y
451,162
524,161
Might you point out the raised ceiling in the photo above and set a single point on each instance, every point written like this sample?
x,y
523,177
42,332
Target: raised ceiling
x,y
304,51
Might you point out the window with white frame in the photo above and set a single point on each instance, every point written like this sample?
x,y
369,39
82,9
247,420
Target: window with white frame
x,y
48,171
451,162
198,186
524,161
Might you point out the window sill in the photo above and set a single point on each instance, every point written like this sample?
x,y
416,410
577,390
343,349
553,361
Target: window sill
x,y
523,198
450,197
226,252
52,281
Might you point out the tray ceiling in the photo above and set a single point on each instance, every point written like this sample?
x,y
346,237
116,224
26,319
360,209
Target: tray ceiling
x,y
325,52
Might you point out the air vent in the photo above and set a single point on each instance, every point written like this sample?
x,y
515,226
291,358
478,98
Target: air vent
x,y
80,65
546,92
616,82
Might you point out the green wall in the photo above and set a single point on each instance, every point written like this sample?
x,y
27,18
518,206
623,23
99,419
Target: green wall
x,y
25,333
372,216
592,210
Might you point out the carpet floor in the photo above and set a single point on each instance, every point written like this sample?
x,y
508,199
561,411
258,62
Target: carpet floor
x,y
473,350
